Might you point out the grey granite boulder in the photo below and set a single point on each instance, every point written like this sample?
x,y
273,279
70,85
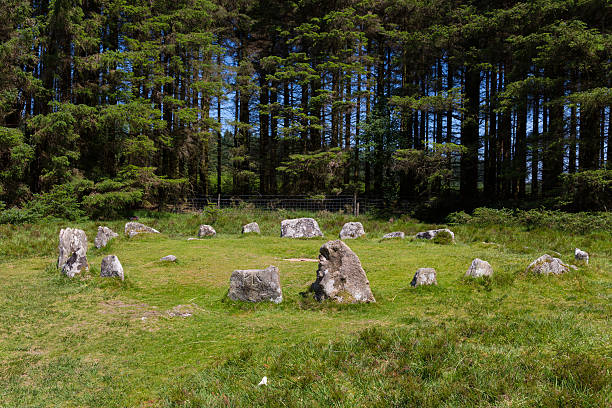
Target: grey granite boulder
x,y
206,231
134,228
479,268
72,248
300,228
111,268
340,275
424,276
546,265
581,256
431,234
251,227
256,285
395,234
352,230
104,236
168,258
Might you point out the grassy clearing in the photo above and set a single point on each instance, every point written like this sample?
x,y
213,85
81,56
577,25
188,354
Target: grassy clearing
x,y
513,340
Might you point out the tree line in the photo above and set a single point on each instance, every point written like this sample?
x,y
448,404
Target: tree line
x,y
468,102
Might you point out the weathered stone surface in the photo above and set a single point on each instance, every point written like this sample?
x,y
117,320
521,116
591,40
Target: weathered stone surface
x,y
395,234
340,276
135,228
256,285
352,230
479,268
546,264
169,258
104,236
206,231
111,268
424,276
581,255
251,227
72,248
300,228
431,234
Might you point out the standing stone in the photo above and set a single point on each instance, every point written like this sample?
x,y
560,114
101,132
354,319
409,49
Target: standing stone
x,y
340,276
105,234
251,227
424,276
479,268
168,258
395,234
256,285
111,267
72,247
546,264
300,228
135,228
581,255
352,230
431,234
206,231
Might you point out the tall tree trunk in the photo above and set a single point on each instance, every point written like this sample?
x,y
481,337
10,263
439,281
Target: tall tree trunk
x,y
469,136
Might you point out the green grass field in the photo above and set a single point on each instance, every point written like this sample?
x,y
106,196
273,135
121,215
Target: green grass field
x,y
168,337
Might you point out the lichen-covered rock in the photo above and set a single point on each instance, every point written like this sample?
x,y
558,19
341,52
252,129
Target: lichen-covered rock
x,y
300,228
479,268
581,256
251,227
72,248
256,285
546,264
111,268
352,230
424,276
395,234
103,237
206,231
135,228
168,258
431,234
340,275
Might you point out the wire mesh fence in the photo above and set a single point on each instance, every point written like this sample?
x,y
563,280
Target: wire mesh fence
x,y
350,204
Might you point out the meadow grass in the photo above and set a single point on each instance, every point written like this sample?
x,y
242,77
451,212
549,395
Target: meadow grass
x,y
168,336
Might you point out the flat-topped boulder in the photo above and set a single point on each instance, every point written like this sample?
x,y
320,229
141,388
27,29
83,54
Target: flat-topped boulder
x,y
104,236
581,256
394,234
251,227
134,228
340,275
479,268
300,228
72,258
431,234
206,231
168,258
256,285
352,230
111,268
546,265
424,276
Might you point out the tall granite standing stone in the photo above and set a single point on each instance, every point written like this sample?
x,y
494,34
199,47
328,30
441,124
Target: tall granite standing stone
x,y
300,228
251,227
352,230
424,276
340,275
104,236
479,268
256,285
206,231
134,228
111,267
72,248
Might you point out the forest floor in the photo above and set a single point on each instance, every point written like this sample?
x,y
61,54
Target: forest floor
x,y
168,336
